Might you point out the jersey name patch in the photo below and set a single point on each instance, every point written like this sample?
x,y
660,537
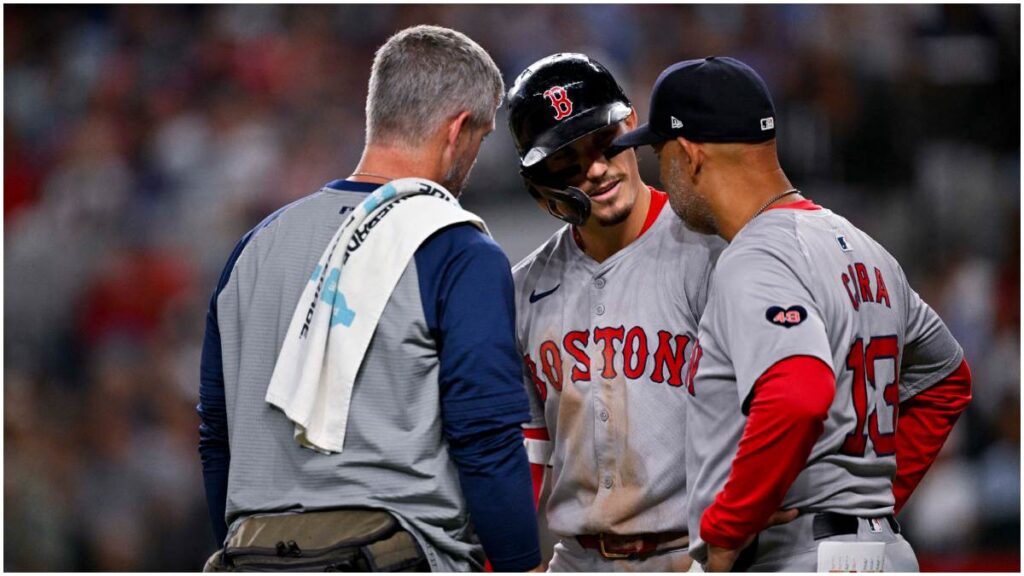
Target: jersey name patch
x,y
786,317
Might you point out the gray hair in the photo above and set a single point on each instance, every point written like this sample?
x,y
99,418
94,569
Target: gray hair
x,y
423,76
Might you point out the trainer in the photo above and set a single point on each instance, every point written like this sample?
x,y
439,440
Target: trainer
x,y
361,395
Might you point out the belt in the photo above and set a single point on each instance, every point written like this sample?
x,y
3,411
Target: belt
x,y
615,546
828,524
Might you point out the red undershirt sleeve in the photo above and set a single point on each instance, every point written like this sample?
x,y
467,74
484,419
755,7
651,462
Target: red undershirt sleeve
x,y
925,422
789,405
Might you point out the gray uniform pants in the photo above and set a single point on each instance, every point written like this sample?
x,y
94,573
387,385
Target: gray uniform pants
x,y
569,556
792,548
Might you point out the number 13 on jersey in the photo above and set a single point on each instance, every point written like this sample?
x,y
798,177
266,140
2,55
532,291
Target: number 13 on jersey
x,y
885,395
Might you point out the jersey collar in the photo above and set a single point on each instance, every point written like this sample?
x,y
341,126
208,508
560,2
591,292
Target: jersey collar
x,y
658,200
805,204
352,186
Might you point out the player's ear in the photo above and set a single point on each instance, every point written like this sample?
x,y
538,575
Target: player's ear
x,y
694,155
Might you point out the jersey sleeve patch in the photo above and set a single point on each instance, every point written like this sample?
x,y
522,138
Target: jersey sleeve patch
x,y
786,317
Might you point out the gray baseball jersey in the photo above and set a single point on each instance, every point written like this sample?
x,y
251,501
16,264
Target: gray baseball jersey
x,y
605,347
806,282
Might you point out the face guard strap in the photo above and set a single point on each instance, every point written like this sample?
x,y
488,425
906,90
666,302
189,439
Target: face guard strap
x,y
567,203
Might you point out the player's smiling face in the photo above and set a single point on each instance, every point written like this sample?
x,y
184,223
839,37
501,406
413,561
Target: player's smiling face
x,y
610,183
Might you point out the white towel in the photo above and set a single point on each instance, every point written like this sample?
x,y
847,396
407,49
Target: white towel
x,y
343,300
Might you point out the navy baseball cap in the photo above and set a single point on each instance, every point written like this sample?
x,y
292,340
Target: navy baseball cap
x,y
713,99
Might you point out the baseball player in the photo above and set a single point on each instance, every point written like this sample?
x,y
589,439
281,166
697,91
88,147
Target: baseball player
x,y
607,312
812,348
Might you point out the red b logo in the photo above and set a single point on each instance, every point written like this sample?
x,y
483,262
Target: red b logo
x,y
560,101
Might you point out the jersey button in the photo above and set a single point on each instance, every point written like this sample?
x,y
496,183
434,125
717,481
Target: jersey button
x,y
599,309
604,415
599,282
608,482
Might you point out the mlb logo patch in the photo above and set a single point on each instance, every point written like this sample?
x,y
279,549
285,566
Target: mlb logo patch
x,y
876,525
767,123
843,244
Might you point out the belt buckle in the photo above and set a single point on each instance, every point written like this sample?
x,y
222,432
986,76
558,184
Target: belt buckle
x,y
617,555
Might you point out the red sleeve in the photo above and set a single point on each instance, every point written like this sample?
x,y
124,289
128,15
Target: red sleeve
x,y
924,423
787,413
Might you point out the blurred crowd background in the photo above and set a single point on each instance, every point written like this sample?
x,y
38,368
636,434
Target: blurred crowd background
x,y
141,142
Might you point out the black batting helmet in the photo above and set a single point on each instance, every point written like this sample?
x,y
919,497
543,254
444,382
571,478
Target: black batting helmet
x,y
554,102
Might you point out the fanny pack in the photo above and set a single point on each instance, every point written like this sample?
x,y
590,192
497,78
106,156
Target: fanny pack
x,y
350,540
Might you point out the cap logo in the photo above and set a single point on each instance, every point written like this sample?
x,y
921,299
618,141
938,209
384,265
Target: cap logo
x,y
559,101
676,123
767,123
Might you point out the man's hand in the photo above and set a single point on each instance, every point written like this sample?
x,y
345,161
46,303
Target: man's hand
x,y
722,559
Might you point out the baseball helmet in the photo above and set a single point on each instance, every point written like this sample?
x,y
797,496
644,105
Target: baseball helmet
x,y
554,102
